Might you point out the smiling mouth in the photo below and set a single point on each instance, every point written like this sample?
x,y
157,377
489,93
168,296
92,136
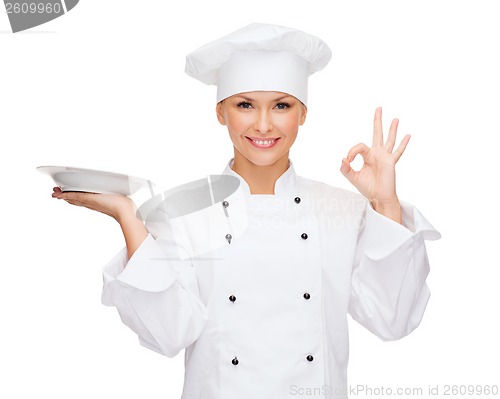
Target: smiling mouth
x,y
263,143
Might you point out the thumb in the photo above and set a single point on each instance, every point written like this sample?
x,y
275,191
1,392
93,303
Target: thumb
x,y
347,171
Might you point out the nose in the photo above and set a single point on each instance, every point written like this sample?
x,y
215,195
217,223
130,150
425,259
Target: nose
x,y
263,122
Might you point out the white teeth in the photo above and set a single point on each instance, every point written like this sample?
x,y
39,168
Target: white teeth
x,y
263,142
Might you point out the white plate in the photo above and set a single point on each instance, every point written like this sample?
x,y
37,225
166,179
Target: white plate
x,y
94,181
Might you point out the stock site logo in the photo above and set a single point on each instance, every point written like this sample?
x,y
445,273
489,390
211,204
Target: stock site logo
x,y
29,13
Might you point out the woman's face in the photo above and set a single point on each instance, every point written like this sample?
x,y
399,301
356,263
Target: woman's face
x,y
262,124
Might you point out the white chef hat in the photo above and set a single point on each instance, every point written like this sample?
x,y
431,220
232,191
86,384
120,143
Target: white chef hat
x,y
259,57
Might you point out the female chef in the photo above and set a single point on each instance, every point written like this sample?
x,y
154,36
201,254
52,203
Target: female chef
x,y
263,313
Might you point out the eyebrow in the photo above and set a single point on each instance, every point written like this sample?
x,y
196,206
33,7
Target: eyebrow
x,y
251,99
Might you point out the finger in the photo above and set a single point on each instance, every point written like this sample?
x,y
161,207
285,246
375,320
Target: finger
x,y
378,134
391,138
360,148
81,198
60,194
75,196
347,171
57,193
401,148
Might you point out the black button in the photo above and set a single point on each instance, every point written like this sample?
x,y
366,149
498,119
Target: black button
x,y
309,358
232,298
297,200
307,296
304,236
228,238
235,361
225,204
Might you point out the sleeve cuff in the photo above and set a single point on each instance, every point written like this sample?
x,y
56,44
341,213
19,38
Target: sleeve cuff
x,y
148,269
383,235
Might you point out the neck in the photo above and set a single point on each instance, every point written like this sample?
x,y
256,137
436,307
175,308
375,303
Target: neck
x,y
260,179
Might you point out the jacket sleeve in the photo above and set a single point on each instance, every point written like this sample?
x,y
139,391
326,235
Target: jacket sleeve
x,y
156,295
388,289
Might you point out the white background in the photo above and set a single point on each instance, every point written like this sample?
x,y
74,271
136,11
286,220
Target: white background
x,y
104,87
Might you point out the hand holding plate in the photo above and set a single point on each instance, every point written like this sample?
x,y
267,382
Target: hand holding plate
x,y
117,206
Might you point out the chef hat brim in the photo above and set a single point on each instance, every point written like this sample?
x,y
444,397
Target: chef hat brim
x,y
259,57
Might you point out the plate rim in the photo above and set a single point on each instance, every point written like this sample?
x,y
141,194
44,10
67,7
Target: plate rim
x,y
46,169
52,170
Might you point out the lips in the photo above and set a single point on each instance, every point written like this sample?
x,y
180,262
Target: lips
x,y
259,142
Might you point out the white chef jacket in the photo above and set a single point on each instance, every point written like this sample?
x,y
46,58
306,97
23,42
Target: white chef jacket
x,y
265,315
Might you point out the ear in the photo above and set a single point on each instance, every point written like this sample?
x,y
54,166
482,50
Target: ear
x,y
219,110
303,115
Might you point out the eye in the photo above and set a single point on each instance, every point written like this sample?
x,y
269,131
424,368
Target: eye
x,y
282,105
244,104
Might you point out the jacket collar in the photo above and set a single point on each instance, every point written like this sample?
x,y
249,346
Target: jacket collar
x,y
286,184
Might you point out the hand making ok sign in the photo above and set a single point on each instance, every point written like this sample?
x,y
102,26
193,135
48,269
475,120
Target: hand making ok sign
x,y
376,180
